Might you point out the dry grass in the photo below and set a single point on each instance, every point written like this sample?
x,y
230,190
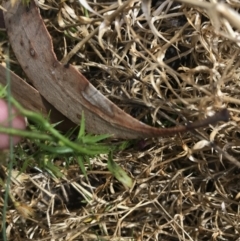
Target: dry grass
x,y
186,186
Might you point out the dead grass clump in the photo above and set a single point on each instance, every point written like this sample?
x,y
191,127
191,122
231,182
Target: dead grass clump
x,y
164,62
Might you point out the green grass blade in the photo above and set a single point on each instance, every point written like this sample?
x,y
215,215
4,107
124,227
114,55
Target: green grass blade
x,y
119,173
90,139
82,127
80,161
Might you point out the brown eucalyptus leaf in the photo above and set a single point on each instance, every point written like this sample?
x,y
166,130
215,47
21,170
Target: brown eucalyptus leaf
x,y
32,100
66,88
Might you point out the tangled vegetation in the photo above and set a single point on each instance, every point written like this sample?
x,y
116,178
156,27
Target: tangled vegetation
x,y
165,63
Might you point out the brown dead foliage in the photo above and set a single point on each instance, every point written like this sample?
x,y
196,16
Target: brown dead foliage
x,y
163,62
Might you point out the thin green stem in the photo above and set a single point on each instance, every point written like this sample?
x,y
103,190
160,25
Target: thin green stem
x,y
25,134
11,157
38,119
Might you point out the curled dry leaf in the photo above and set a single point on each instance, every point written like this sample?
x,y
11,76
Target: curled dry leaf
x,y
146,5
70,11
67,89
86,5
200,145
217,129
102,30
24,210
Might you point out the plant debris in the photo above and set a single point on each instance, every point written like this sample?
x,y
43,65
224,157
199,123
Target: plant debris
x,y
165,63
